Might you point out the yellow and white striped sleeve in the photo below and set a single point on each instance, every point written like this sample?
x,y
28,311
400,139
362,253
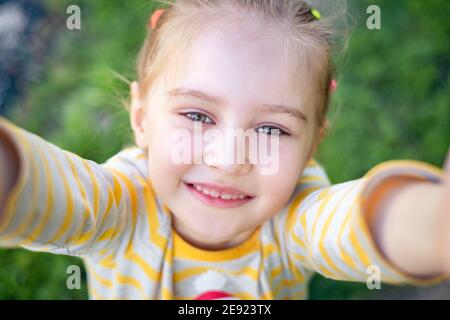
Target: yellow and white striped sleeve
x,y
60,202
328,230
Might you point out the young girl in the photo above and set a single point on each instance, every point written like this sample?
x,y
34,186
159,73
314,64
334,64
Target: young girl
x,y
150,228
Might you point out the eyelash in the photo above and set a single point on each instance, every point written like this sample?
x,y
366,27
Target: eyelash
x,y
188,115
196,114
282,132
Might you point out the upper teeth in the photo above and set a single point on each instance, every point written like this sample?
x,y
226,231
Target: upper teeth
x,y
215,194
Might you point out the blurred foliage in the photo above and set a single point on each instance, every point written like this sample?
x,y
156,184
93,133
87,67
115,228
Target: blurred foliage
x,y
391,103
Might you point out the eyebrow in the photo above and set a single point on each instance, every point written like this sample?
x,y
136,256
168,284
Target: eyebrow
x,y
188,93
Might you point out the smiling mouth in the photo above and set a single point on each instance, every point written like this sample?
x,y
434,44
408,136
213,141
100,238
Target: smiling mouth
x,y
218,196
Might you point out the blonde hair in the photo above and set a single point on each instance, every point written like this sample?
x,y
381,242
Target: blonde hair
x,y
183,20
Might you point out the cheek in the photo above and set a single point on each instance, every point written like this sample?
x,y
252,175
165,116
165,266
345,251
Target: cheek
x,y
292,160
164,171
293,156
170,138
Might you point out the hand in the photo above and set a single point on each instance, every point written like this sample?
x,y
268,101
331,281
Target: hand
x,y
444,214
412,224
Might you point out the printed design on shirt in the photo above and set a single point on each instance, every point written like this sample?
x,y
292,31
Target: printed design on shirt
x,y
211,285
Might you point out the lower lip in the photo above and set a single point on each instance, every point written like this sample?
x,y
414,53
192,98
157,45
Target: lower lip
x,y
216,202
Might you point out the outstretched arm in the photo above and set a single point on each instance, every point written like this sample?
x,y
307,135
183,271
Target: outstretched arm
x,y
330,230
53,200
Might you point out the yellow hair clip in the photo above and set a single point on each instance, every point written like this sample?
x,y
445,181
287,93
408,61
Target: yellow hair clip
x,y
316,13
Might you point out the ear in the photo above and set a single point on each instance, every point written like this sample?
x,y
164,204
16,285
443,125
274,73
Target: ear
x,y
312,151
322,131
138,116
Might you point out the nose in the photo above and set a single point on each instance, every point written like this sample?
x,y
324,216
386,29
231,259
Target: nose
x,y
228,154
231,169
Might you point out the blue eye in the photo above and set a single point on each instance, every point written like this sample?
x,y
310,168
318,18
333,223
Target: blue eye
x,y
196,116
270,130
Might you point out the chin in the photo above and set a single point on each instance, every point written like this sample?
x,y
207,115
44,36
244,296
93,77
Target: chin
x,y
221,235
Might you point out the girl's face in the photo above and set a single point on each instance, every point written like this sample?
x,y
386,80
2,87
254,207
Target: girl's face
x,y
240,79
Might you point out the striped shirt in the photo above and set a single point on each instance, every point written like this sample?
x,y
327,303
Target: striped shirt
x,y
108,215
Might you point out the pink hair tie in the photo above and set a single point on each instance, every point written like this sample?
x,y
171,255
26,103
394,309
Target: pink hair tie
x,y
333,85
155,17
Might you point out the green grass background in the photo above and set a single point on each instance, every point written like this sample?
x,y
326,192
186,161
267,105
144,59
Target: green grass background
x,y
392,102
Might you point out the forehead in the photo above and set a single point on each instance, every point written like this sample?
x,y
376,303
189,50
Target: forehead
x,y
245,62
